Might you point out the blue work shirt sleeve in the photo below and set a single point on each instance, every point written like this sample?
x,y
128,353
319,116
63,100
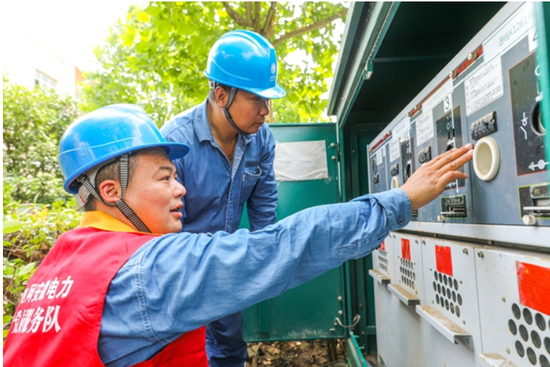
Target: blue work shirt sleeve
x,y
180,282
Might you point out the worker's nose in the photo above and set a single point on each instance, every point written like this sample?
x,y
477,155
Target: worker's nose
x,y
180,190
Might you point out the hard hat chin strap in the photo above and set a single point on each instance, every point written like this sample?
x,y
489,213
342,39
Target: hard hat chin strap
x,y
131,216
230,119
120,204
225,109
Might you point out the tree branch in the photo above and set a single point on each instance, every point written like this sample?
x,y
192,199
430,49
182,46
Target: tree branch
x,y
269,25
257,19
298,32
234,15
248,12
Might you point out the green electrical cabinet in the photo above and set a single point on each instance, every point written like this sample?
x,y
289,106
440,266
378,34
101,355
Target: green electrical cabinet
x,y
321,308
310,310
542,14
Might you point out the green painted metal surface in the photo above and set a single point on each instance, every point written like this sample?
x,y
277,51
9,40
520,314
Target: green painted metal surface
x,y
542,15
403,45
372,35
307,311
353,352
353,24
383,13
356,135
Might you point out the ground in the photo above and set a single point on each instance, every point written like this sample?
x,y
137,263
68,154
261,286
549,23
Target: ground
x,y
308,353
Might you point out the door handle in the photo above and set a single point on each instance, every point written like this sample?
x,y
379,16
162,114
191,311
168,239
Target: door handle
x,y
354,322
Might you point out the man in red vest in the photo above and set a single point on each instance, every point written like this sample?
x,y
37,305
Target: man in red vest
x,y
125,288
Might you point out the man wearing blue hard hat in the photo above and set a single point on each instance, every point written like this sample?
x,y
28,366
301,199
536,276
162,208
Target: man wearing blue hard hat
x,y
127,288
228,132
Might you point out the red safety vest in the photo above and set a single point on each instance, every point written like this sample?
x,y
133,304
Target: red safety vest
x,y
58,319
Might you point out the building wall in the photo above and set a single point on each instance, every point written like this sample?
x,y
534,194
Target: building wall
x,y
25,56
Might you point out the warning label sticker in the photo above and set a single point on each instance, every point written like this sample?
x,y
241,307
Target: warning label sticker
x,y
444,260
406,249
534,286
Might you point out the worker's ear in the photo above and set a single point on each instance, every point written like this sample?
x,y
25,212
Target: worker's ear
x,y
221,96
110,191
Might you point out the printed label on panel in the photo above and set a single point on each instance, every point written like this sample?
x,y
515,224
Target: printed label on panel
x,y
444,90
483,87
424,127
394,149
401,128
447,103
509,33
533,40
528,129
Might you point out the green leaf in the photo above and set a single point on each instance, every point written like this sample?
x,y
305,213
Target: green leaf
x,y
128,37
156,56
143,17
6,319
11,226
7,271
26,269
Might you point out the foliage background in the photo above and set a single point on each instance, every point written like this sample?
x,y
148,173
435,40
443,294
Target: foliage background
x,y
157,55
36,210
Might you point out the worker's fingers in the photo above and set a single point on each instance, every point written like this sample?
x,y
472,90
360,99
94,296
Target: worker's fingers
x,y
453,155
452,176
455,162
443,157
440,160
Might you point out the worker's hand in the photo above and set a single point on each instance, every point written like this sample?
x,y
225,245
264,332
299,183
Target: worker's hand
x,y
429,181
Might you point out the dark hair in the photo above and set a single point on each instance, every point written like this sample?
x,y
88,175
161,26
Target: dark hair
x,y
111,171
212,91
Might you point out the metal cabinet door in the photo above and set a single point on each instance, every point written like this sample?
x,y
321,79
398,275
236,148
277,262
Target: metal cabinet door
x,y
308,311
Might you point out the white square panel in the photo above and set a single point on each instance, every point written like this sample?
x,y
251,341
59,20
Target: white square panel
x,y
514,303
451,303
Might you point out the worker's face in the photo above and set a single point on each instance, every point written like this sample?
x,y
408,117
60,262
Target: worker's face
x,y
154,193
248,111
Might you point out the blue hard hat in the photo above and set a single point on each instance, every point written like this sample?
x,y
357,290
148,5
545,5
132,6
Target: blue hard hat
x,y
245,60
107,133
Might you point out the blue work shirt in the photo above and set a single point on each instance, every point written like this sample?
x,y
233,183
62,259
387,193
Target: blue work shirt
x,y
217,191
180,282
